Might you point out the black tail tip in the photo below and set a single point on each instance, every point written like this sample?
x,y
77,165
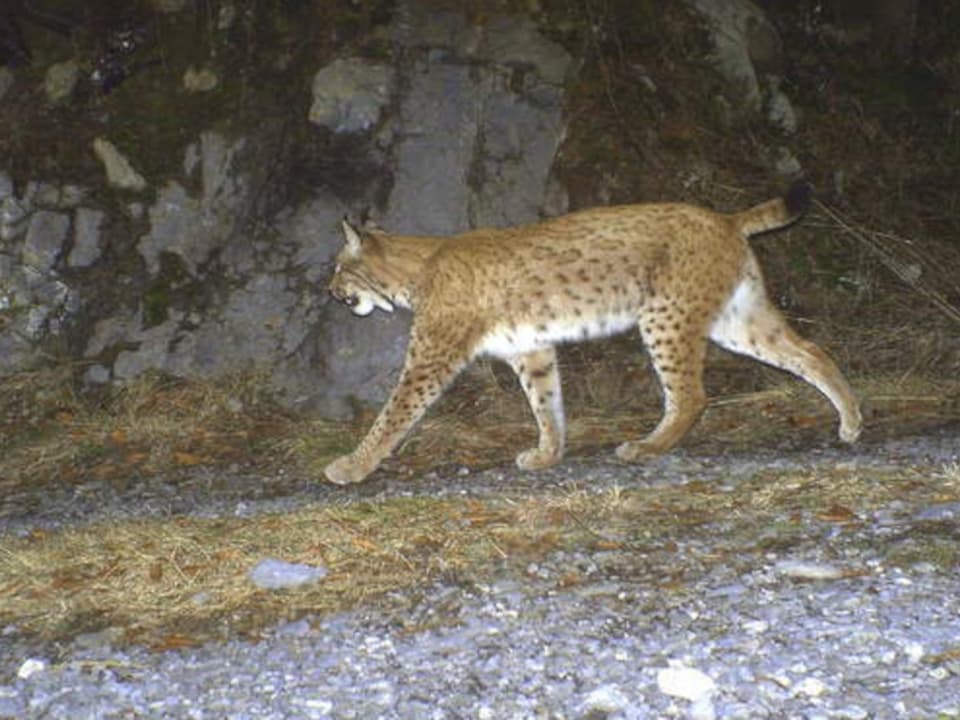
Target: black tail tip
x,y
799,197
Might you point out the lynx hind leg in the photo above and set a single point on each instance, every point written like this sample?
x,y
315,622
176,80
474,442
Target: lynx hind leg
x,y
677,347
749,324
540,379
426,372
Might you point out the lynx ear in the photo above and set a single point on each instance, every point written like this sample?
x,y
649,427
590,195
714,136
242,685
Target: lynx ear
x,y
353,238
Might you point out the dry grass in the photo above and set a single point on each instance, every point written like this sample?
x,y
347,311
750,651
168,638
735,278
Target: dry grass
x,y
50,433
166,583
176,583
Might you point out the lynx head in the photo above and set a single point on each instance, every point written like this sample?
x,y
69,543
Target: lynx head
x,y
355,282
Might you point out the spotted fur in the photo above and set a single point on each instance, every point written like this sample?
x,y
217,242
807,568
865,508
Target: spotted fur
x,y
680,273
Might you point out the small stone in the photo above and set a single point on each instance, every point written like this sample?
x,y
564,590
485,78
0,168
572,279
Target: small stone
x,y
31,667
811,687
756,627
605,699
226,16
12,214
349,94
295,628
785,163
46,235
702,709
273,574
199,80
96,375
914,651
780,112
120,172
685,682
60,81
86,238
799,570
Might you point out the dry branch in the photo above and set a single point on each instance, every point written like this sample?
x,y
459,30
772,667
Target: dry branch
x,y
888,250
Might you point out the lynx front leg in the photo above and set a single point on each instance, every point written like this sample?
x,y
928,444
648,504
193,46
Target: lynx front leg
x,y
540,379
423,378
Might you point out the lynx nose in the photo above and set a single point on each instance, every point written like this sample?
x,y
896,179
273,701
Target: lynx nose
x,y
348,300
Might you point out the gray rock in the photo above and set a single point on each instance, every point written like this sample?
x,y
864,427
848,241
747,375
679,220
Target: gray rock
x,y
16,351
192,228
511,40
457,146
111,331
60,80
6,186
13,212
314,230
439,121
361,358
86,238
154,351
469,151
120,172
37,322
259,319
780,111
174,220
273,574
46,235
517,144
96,375
349,95
785,163
419,24
53,197
199,80
736,28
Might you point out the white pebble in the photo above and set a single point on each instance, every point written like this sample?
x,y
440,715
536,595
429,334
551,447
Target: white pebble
x,y
914,651
684,682
811,687
800,570
31,667
702,709
605,699
273,574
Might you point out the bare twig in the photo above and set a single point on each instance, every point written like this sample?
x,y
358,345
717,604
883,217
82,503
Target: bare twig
x,y
874,243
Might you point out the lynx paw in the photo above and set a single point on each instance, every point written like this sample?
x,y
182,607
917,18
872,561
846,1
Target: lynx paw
x,y
850,431
535,459
345,471
636,450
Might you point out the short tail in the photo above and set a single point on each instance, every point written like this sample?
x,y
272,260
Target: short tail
x,y
775,214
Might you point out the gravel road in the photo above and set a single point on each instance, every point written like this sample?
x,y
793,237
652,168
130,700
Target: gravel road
x,y
822,629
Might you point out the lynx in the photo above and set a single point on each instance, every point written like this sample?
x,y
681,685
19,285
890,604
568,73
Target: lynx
x,y
678,272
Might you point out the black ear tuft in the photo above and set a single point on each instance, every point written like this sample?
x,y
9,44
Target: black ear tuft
x,y
798,197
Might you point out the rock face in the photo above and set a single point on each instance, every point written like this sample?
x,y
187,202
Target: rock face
x,y
471,145
194,274
747,52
